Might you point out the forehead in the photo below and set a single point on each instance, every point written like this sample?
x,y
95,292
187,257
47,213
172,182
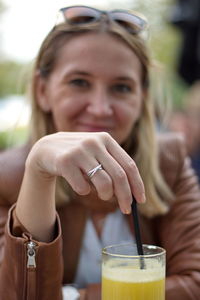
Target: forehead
x,y
102,51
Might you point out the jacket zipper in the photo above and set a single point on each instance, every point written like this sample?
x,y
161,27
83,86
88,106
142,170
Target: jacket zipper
x,y
31,246
31,270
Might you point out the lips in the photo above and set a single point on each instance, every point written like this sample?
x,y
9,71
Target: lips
x,y
94,127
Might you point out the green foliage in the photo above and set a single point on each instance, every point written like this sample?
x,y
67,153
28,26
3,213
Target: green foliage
x,y
13,78
13,75
3,140
165,45
12,137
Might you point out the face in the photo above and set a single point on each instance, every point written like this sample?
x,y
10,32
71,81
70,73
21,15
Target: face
x,y
95,86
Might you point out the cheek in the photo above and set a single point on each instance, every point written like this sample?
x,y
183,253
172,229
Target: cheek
x,y
65,112
68,107
128,113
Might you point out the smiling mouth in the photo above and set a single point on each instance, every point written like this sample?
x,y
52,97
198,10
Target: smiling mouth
x,y
94,127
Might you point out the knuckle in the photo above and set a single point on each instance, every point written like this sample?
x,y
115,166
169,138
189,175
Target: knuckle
x,y
131,166
96,141
89,142
105,136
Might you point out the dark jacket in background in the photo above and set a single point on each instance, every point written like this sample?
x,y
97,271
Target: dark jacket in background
x,y
186,16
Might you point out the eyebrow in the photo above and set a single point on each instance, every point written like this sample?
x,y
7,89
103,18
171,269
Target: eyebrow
x,y
125,78
83,73
77,72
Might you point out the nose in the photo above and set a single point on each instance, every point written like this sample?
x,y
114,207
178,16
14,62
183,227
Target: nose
x,y
100,103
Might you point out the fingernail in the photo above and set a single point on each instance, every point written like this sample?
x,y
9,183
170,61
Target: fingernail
x,y
127,211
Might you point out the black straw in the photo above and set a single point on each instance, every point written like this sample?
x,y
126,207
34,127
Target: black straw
x,y
137,232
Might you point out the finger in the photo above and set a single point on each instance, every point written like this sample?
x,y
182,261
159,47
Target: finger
x,y
131,170
120,182
76,179
86,162
75,172
103,184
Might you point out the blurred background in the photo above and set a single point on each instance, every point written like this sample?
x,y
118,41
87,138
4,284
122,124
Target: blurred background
x,y
24,24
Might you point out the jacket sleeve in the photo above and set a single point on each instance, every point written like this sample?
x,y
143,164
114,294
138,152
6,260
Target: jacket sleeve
x,y
179,234
29,269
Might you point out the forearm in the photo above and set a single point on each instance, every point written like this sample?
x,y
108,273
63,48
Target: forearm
x,y
36,205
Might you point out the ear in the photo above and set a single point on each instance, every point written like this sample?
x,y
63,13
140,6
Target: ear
x,y
41,93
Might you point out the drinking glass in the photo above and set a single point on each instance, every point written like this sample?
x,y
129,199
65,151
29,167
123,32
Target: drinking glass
x,y
128,276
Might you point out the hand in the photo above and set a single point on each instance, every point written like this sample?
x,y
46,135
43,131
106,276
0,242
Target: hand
x,y
71,155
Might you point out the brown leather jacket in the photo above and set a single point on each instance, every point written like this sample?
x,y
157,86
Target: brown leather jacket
x,y
178,232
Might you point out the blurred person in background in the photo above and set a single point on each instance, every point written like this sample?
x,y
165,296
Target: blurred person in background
x,y
187,122
93,144
186,17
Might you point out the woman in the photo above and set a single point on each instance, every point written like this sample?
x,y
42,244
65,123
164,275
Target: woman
x,y
93,130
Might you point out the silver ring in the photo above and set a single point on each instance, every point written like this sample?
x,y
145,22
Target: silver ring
x,y
94,170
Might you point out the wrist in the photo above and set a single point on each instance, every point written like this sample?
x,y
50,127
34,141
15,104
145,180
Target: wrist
x,y
35,170
40,162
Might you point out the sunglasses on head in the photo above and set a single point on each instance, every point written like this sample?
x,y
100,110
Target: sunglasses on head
x,y
131,21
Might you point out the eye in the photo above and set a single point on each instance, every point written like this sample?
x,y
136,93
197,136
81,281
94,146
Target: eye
x,y
122,88
79,82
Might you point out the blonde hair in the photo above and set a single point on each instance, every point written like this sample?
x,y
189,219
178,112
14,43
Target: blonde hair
x,y
141,143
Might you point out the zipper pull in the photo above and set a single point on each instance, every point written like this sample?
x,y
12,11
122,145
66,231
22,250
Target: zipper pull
x,y
31,254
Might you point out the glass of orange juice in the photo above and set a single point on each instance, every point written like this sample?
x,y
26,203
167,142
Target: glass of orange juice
x,y
128,276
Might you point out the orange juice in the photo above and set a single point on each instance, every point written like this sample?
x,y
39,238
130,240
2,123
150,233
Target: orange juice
x,y
127,282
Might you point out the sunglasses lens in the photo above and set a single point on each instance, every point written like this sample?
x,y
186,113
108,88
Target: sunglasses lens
x,y
132,23
84,14
80,15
